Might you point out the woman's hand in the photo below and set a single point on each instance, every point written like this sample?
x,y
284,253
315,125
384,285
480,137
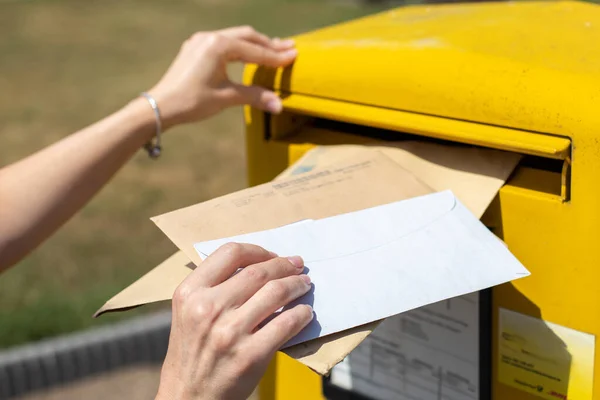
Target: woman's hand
x,y
196,85
218,347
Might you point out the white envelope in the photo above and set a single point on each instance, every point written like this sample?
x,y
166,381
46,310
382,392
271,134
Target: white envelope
x,y
382,261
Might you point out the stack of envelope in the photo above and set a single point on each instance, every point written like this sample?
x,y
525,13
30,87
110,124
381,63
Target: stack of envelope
x,y
382,229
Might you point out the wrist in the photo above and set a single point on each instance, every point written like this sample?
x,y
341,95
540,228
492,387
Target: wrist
x,y
169,393
171,387
146,102
170,115
139,113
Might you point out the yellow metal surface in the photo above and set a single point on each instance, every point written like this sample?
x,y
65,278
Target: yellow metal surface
x,y
525,65
460,73
288,379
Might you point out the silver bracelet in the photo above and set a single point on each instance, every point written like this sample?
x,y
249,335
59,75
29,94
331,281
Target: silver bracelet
x,y
154,149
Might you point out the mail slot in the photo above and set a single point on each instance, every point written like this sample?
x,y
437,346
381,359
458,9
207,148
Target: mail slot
x,y
518,77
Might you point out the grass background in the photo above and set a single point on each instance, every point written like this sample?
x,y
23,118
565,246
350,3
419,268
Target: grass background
x,y
65,64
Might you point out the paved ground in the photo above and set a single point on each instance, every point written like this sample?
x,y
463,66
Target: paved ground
x,y
130,383
139,383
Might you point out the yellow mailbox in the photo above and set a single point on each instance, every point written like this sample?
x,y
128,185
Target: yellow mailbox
x,y
519,76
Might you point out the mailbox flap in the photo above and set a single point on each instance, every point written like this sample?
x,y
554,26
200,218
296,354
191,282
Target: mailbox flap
x,y
523,142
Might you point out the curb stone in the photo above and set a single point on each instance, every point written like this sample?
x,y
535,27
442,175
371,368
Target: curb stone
x,y
64,359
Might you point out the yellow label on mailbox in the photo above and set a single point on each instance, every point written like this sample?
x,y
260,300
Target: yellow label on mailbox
x,y
544,359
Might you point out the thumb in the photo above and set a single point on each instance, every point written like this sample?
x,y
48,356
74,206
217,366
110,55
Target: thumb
x,y
256,96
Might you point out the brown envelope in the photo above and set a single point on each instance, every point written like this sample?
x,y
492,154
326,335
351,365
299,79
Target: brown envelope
x,y
341,179
474,175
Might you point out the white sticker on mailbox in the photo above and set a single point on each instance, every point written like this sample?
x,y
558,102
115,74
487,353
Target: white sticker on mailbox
x,y
544,359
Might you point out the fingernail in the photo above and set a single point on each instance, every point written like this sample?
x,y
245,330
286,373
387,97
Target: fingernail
x,y
274,255
274,106
306,279
310,309
287,42
296,261
291,53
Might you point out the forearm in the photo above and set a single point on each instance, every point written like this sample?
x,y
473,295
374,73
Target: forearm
x,y
41,192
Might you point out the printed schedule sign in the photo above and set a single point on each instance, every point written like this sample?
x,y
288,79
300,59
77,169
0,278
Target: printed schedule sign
x,y
431,353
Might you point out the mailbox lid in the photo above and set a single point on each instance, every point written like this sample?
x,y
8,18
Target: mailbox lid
x,y
532,65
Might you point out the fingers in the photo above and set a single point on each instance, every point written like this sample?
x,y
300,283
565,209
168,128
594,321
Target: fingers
x,y
282,328
246,33
240,50
258,97
248,282
271,297
249,34
282,44
221,264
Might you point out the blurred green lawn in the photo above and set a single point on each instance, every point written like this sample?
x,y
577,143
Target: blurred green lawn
x,y
67,63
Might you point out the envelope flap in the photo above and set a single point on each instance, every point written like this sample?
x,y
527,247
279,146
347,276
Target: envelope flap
x,y
159,284
365,230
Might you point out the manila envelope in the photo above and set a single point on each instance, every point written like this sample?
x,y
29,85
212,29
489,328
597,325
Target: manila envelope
x,y
340,179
